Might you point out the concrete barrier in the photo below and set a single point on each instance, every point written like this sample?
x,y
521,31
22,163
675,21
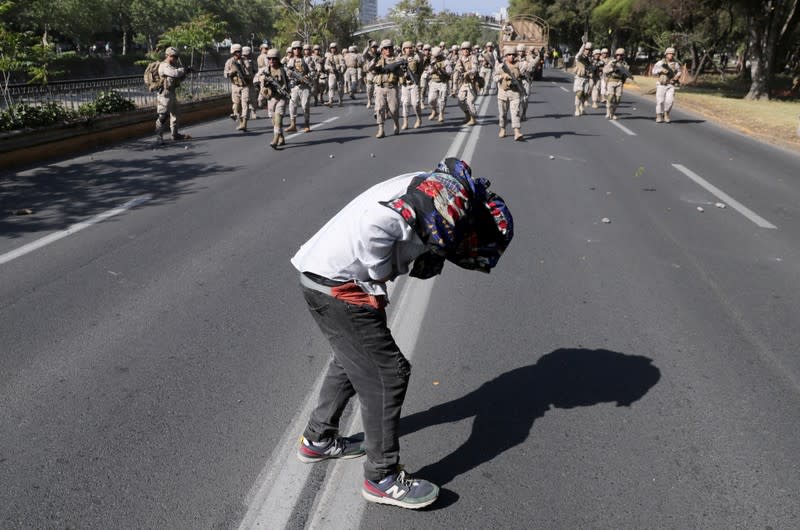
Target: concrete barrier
x,y
18,148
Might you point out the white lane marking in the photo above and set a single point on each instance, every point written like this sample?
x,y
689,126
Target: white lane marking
x,y
469,149
46,240
339,504
313,127
274,494
564,89
622,127
724,197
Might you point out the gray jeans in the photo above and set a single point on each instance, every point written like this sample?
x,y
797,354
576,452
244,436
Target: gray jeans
x,y
365,361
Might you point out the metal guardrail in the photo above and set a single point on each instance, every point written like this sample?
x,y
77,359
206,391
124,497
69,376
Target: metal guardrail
x,y
71,94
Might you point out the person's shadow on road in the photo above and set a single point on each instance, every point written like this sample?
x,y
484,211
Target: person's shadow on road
x,y
506,407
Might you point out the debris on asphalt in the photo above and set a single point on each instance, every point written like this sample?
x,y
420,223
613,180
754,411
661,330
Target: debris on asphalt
x,y
185,147
23,211
720,205
700,209
606,220
648,189
435,383
372,155
552,157
331,156
639,172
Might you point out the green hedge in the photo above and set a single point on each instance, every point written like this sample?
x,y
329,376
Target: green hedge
x,y
23,116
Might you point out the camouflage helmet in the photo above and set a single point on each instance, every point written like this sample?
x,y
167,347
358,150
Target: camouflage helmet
x,y
296,44
352,49
387,43
264,46
604,50
288,49
426,47
454,48
466,45
596,51
490,45
332,46
171,51
246,50
670,50
236,48
620,51
306,47
509,50
588,46
408,44
316,47
273,53
442,45
437,51
521,48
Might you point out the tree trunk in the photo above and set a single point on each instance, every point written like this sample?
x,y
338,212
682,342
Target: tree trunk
x,y
769,22
125,41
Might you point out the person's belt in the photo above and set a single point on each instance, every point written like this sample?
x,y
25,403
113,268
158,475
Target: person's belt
x,y
387,85
318,283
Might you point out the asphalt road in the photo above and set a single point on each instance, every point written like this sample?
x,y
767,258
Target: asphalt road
x,y
641,373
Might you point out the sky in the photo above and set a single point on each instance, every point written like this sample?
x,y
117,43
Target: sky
x,y
484,7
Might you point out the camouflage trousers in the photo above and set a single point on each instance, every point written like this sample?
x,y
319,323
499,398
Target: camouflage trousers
x,y
240,96
277,108
582,88
409,97
437,96
486,74
466,99
665,98
613,95
334,88
508,102
300,98
386,101
350,81
166,104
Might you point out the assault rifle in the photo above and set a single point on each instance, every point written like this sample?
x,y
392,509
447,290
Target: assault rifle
x,y
240,73
623,71
275,87
297,77
514,81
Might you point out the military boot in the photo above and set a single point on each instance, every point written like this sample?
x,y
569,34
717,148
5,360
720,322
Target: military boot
x,y
176,136
292,125
405,123
517,134
380,131
433,115
274,143
502,132
594,104
281,139
659,118
242,124
440,119
417,123
666,117
159,139
396,127
471,120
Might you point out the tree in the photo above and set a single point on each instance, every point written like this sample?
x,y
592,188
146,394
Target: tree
x,y
412,18
198,35
768,23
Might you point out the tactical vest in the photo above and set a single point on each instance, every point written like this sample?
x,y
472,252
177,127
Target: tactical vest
x,y
439,72
508,84
350,60
385,78
669,79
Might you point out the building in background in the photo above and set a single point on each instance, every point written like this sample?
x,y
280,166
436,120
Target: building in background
x,y
368,12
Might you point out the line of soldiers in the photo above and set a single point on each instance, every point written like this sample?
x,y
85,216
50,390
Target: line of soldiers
x,y
602,78
399,82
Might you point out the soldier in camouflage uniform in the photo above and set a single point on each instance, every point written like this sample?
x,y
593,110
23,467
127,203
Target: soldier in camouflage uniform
x,y
335,67
275,93
167,101
300,79
615,72
596,77
318,84
241,79
668,71
466,70
409,85
351,71
584,70
425,62
525,65
509,92
440,72
370,54
250,66
261,63
386,87
487,63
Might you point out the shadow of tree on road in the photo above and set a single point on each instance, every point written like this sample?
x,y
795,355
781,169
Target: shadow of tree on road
x,y
63,193
506,407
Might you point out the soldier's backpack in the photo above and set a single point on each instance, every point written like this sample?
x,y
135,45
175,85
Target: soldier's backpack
x,y
152,79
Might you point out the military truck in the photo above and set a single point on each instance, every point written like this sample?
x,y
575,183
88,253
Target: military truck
x,y
530,30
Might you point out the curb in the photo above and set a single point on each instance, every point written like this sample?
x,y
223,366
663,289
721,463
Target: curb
x,y
18,148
